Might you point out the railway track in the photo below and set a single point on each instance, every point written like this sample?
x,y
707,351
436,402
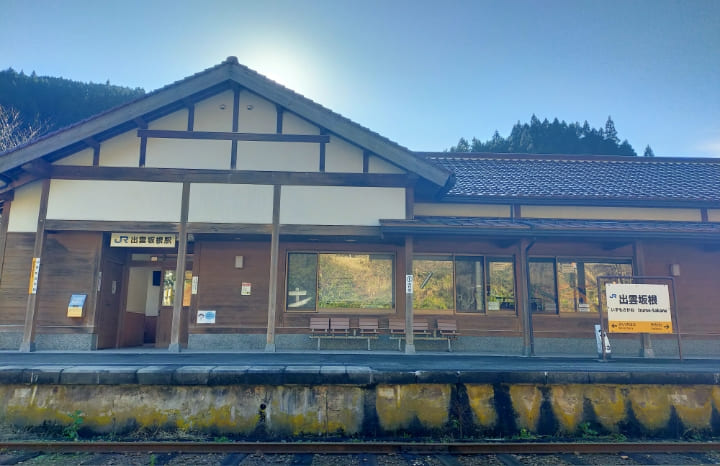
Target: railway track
x,y
355,453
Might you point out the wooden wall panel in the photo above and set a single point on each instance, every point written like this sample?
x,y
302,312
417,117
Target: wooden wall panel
x,y
68,267
133,329
697,287
15,279
219,286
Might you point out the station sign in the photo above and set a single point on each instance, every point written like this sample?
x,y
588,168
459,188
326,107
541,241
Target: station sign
x,y
638,308
142,240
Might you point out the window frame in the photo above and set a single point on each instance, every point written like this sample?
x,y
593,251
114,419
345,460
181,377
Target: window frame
x,y
581,285
486,259
357,310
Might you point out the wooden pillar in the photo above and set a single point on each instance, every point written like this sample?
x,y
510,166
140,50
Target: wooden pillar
x,y
273,287
31,310
3,233
409,285
646,349
235,126
180,272
521,279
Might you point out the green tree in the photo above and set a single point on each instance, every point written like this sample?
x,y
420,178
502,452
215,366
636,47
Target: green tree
x,y
556,137
648,152
610,131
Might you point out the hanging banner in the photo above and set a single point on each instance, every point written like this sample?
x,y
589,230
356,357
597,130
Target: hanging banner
x,y
638,308
142,240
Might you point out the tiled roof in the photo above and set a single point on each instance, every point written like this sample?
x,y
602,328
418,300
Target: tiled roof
x,y
507,176
550,227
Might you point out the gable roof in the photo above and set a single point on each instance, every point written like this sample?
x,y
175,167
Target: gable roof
x,y
169,98
580,179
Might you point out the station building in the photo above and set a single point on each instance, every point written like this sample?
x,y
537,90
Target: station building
x,y
226,212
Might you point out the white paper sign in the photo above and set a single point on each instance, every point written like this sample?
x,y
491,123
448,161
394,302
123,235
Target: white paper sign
x,y
408,284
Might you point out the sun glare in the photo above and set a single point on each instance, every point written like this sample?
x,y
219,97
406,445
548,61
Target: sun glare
x,y
290,68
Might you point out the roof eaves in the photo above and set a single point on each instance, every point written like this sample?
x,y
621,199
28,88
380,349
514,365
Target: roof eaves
x,y
113,117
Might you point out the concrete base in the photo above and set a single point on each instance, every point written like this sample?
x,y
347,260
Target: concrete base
x,y
226,342
10,340
65,342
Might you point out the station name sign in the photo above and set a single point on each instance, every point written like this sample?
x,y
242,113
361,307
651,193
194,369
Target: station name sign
x,y
638,308
142,240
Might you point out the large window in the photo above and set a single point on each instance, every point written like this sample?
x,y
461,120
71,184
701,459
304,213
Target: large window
x,y
463,283
570,285
327,281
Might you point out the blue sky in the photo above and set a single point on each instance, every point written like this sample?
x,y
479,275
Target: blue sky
x,y
422,73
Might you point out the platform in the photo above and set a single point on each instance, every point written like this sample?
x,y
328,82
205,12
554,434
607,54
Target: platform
x,y
149,366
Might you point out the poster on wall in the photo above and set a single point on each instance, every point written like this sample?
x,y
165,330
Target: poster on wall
x,y
76,305
206,317
245,289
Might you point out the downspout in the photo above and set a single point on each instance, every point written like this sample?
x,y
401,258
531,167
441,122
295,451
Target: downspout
x,y
528,337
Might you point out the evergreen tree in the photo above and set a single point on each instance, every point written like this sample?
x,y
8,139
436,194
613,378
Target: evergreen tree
x,y
610,132
648,152
558,137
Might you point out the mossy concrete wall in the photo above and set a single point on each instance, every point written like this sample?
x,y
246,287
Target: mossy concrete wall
x,y
377,410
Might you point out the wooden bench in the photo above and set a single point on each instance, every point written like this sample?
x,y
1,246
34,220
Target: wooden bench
x,y
319,328
447,329
339,327
368,328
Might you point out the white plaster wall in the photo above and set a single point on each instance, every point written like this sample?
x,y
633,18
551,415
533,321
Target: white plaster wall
x,y
152,299
121,151
114,201
176,121
214,113
278,156
188,153
338,205
611,213
83,158
262,118
230,203
714,215
25,208
378,165
293,124
462,210
137,289
342,157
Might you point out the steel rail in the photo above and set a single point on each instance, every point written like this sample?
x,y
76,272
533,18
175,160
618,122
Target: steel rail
x,y
456,448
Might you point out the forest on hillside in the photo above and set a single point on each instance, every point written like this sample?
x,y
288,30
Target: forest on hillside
x,y
556,137
50,103
32,105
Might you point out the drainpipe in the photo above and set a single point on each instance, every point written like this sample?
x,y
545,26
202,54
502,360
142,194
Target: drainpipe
x,y
524,295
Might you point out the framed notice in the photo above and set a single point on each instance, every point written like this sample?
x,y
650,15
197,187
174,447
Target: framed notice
x,y
76,305
206,317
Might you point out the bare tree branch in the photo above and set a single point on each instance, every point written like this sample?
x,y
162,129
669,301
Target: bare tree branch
x,y
13,132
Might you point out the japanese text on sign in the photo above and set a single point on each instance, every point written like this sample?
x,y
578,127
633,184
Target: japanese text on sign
x,y
638,308
142,240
